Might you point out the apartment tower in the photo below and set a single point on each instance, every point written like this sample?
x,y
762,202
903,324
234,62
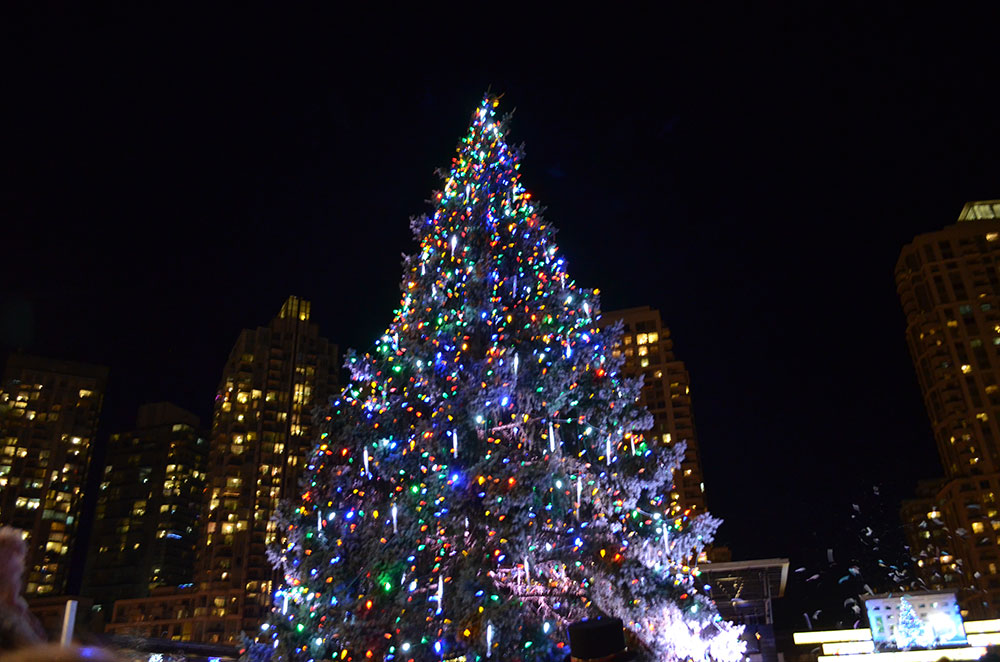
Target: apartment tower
x,y
148,507
666,393
949,285
49,411
261,433
262,430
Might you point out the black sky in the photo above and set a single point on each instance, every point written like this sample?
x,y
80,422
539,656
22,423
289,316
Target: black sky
x,y
170,175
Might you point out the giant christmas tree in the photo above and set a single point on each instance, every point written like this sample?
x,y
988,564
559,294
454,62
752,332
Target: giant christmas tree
x,y
484,479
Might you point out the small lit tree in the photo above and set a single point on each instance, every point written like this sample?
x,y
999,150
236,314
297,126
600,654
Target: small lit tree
x,y
911,632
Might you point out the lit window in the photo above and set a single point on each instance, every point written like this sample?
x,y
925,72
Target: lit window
x,y
991,236
643,351
653,337
644,362
84,393
977,527
982,211
946,558
966,368
934,514
983,416
641,339
628,339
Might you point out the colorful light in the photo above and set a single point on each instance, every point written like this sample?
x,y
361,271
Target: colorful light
x,y
492,343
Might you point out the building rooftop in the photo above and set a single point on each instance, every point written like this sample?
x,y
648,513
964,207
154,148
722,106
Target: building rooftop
x,y
757,579
980,209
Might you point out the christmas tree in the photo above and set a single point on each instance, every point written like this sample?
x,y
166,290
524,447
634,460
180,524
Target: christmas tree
x,y
483,480
911,632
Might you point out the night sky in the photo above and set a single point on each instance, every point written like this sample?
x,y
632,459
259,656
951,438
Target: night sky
x,y
168,177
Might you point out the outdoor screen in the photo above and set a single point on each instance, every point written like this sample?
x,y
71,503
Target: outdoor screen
x,y
915,621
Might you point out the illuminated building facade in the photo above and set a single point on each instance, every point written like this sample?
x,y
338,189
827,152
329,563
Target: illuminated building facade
x,y
49,411
261,432
146,525
666,392
949,285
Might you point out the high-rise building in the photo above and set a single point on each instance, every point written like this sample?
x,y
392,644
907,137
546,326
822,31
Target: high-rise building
x,y
148,508
949,285
49,411
262,430
666,393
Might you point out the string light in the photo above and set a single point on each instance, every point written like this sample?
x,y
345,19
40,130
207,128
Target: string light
x,y
493,342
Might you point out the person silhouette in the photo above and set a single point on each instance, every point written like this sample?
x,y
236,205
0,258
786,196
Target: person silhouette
x,y
18,627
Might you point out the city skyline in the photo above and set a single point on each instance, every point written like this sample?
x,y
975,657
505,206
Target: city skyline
x,y
758,200
260,434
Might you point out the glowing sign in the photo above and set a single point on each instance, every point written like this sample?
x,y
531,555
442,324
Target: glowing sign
x,y
917,621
